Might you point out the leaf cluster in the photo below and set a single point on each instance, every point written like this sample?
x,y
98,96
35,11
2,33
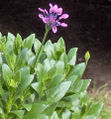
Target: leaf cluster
x,y
51,88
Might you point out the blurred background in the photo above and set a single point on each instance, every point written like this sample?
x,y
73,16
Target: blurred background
x,y
89,29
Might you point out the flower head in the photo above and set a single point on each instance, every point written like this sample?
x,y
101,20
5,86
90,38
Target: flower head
x,y
53,17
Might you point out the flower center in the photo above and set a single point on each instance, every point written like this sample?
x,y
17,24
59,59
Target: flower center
x,y
51,20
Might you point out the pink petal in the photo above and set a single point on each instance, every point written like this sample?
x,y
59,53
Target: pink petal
x,y
40,9
54,29
44,20
46,11
58,22
40,16
64,16
55,8
60,11
50,5
51,8
64,25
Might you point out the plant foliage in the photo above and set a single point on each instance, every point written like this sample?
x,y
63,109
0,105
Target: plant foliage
x,y
51,88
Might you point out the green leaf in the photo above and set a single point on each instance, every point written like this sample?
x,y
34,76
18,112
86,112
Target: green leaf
x,y
55,94
54,116
0,36
66,114
50,109
0,110
49,49
17,77
47,65
10,37
35,86
9,53
7,74
28,42
75,115
72,56
59,67
37,109
21,59
25,82
85,84
95,109
72,78
83,110
42,116
2,93
28,107
78,70
89,117
25,71
59,48
64,58
55,81
18,44
40,72
37,45
70,102
18,113
77,86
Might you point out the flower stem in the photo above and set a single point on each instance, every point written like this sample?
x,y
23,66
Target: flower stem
x,y
47,29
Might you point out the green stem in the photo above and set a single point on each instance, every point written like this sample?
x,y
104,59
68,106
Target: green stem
x,y
9,104
47,29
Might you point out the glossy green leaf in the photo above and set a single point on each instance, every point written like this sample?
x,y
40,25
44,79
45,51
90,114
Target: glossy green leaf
x,y
59,48
9,53
66,114
28,107
59,67
55,94
85,85
55,81
17,77
54,116
10,37
49,49
72,56
28,42
50,109
35,86
21,59
72,78
75,115
37,45
78,70
18,44
25,82
7,74
18,113
2,94
77,86
37,109
90,117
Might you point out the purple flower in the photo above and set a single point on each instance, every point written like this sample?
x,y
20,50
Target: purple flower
x,y
53,17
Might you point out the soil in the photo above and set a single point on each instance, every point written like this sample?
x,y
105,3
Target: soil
x,y
89,29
